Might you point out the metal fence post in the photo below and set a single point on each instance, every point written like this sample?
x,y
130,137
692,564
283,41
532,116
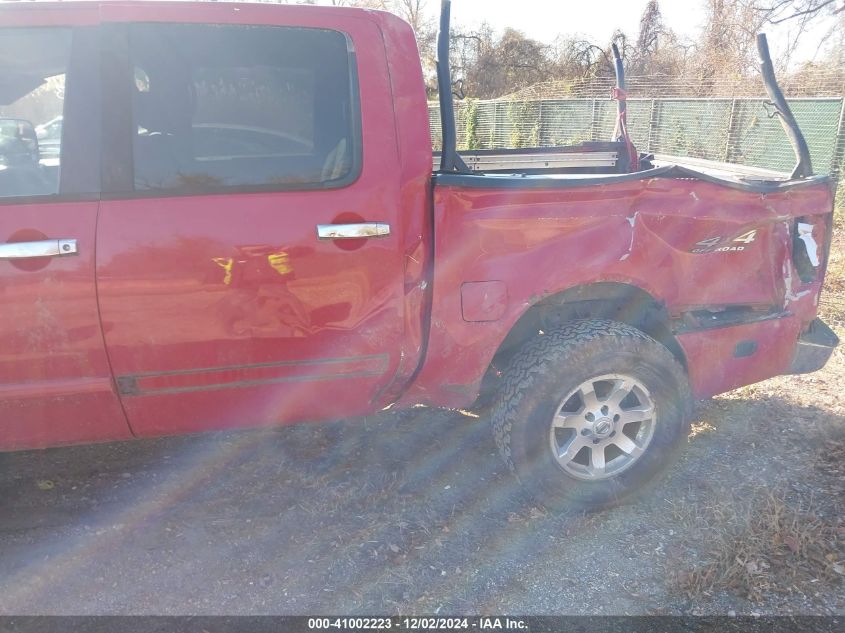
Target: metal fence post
x,y
494,140
836,163
540,127
731,132
652,125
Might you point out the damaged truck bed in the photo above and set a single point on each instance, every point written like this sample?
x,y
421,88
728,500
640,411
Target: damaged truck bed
x,y
717,261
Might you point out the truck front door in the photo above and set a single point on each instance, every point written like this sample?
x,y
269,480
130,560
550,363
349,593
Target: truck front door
x,y
55,383
248,263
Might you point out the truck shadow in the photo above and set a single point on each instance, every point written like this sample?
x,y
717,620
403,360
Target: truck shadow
x,y
405,511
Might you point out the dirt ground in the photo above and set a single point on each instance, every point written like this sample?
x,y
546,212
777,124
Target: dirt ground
x,y
412,512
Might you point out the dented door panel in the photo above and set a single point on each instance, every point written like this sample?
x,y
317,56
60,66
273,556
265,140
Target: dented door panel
x,y
236,306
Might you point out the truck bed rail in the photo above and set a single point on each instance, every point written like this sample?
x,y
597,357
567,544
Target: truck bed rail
x,y
591,157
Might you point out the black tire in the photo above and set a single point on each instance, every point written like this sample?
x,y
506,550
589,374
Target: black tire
x,y
557,362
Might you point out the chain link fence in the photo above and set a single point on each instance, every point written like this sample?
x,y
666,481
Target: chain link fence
x,y
740,130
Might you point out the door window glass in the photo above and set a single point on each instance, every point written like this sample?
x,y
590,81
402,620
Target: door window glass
x,y
33,63
221,106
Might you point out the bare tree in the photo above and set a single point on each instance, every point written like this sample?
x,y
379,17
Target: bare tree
x,y
779,11
414,13
490,64
651,29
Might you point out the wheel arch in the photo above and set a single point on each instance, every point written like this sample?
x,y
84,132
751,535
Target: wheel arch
x,y
615,301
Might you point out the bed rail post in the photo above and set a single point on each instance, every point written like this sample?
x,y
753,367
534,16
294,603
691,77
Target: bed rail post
x,y
803,166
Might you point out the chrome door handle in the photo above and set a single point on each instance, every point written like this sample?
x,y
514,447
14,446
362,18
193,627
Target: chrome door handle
x,y
43,248
352,231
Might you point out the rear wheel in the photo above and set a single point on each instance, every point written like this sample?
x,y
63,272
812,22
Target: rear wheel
x,y
590,413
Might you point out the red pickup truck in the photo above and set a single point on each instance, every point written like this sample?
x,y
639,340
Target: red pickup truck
x,y
238,223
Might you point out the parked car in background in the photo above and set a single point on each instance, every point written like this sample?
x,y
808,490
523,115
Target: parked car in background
x,y
18,143
50,138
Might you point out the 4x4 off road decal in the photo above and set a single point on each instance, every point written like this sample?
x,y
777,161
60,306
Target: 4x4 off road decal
x,y
712,244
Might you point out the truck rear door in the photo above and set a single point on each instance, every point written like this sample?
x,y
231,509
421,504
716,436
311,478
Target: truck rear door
x,y
248,264
55,383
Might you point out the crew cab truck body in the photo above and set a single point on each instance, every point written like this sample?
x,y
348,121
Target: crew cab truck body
x,y
243,228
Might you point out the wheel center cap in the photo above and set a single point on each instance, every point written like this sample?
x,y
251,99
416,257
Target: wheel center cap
x,y
603,427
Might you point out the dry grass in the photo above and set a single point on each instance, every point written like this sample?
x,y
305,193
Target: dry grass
x,y
766,546
830,460
832,306
762,542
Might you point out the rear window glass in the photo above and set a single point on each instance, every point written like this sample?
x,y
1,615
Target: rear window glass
x,y
220,106
33,64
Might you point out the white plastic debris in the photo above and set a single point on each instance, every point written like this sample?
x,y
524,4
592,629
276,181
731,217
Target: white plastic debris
x,y
805,234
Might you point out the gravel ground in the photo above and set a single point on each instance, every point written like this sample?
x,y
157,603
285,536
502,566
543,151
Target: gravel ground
x,y
412,512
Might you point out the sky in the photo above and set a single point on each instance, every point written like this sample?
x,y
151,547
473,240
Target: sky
x,y
598,19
